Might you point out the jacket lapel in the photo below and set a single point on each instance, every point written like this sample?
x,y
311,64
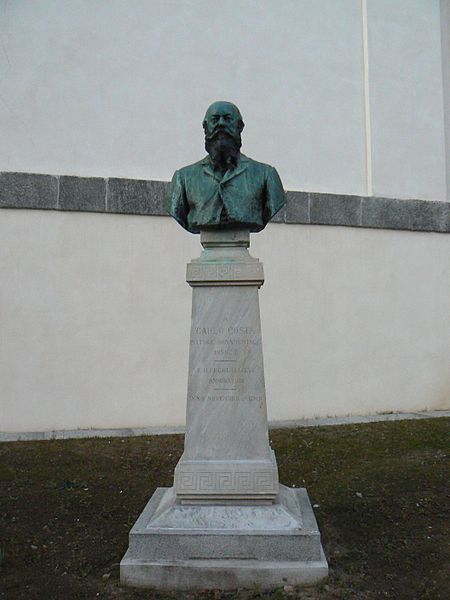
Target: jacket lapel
x,y
208,170
240,168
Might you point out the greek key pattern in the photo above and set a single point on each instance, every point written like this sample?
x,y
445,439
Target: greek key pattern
x,y
201,272
226,481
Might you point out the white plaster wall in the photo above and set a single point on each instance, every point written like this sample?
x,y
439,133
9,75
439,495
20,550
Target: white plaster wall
x,y
113,88
120,88
95,317
445,51
406,98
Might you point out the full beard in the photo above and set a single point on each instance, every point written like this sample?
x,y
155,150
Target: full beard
x,y
223,150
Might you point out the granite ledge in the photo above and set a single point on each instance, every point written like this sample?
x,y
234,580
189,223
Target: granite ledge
x,y
116,195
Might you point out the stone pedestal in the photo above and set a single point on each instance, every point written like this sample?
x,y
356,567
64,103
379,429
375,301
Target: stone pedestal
x,y
227,522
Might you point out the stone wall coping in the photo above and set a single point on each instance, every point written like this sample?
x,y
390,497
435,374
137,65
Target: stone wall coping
x,y
118,195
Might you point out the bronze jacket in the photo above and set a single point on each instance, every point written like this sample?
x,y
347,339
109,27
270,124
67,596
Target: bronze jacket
x,y
247,196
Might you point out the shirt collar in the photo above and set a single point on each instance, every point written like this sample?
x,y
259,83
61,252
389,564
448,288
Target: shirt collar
x,y
238,169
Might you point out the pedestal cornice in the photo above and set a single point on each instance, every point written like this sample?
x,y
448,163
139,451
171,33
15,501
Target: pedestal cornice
x,y
225,260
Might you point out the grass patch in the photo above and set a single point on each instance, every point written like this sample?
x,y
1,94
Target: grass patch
x,y
66,507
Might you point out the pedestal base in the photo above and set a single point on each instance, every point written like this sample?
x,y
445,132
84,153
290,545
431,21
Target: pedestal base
x,y
225,574
175,546
226,523
209,481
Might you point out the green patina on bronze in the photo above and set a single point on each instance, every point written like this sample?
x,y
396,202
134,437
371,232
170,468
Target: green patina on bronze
x,y
225,190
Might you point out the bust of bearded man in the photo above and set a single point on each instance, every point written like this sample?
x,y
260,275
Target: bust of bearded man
x,y
226,189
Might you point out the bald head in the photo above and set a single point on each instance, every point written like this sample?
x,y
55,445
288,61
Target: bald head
x,y
223,116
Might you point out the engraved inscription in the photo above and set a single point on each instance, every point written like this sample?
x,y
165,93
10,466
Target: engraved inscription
x,y
215,398
199,272
226,371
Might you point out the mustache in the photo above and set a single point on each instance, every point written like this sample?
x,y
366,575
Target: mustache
x,y
221,130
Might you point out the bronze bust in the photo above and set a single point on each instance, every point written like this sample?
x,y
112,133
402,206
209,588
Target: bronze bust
x,y
225,190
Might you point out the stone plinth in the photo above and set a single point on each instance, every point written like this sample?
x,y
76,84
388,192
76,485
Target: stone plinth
x,y
227,453
227,522
177,546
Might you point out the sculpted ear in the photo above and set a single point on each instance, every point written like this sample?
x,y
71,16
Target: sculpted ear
x,y
241,125
204,125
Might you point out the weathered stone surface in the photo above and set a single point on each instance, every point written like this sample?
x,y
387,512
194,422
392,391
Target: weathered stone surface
x,y
227,452
130,196
223,574
82,193
28,190
215,274
225,261
331,209
136,196
211,480
224,547
226,377
297,207
227,522
430,216
386,213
